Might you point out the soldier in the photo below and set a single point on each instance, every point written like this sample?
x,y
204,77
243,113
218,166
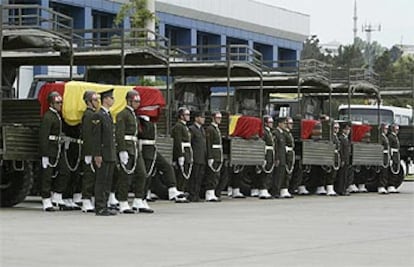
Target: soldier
x,y
290,149
198,144
50,151
331,176
131,160
88,183
345,152
104,153
266,170
395,166
182,151
280,189
214,158
383,175
155,161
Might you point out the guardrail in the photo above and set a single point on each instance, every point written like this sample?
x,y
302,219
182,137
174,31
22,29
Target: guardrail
x,y
217,53
37,17
344,75
119,38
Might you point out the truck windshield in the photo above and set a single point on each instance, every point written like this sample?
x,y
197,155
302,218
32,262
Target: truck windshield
x,y
367,116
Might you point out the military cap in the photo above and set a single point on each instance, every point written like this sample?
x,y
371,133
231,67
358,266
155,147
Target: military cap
x,y
198,114
107,93
281,119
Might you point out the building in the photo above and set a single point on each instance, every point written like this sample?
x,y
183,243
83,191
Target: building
x,y
275,32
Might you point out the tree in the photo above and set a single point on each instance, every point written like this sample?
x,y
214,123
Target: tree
x,y
137,12
312,49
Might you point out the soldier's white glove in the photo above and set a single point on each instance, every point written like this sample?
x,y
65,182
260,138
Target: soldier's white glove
x,y
210,162
181,161
88,159
123,157
45,162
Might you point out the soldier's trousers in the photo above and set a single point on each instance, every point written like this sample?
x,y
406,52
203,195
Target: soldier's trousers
x,y
281,178
262,180
182,182
212,177
195,181
103,184
59,183
160,165
342,182
88,181
138,179
383,177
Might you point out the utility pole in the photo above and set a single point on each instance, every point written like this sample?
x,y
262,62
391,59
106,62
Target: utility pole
x,y
355,19
368,28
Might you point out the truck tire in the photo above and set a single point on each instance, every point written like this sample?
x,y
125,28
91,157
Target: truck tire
x,y
15,185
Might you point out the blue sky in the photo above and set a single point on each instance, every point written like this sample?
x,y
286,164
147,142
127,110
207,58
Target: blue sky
x,y
332,20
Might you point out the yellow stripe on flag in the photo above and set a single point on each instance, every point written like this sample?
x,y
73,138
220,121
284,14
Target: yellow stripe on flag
x,y
233,123
75,106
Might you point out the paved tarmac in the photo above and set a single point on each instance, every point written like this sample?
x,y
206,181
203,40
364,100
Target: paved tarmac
x,y
360,230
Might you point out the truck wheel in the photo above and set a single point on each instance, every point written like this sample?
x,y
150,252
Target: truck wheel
x,y
15,185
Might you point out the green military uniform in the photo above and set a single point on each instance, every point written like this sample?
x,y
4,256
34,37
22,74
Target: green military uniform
x,y
266,171
290,154
88,181
127,125
182,148
152,158
49,145
345,151
280,173
198,144
103,145
395,159
383,176
215,152
330,176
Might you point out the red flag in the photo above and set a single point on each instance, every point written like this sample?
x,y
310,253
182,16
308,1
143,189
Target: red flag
x,y
248,127
359,131
152,102
306,128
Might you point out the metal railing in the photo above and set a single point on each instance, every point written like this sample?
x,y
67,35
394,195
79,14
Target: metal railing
x,y
345,75
119,38
217,53
308,66
37,17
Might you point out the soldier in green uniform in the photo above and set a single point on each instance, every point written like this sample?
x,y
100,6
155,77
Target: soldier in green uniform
x,y
280,188
50,151
395,167
290,149
214,157
88,182
330,176
198,144
345,151
155,161
104,153
182,151
266,171
131,160
384,174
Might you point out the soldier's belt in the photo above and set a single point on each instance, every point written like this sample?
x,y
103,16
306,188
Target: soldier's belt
x,y
130,138
386,152
269,148
146,142
393,150
216,146
288,148
184,145
54,138
65,139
